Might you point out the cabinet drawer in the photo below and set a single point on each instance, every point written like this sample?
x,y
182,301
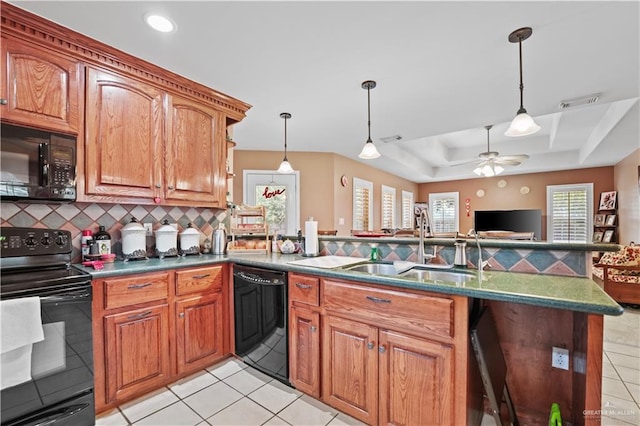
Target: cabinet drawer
x,y
304,289
127,291
395,309
198,279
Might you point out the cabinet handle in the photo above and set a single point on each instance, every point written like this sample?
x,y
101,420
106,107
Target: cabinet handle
x,y
170,187
139,286
138,316
381,349
181,314
3,101
378,300
158,186
313,328
199,277
370,345
303,286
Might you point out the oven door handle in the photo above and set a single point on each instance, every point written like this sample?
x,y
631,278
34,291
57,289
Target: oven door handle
x,y
66,297
54,416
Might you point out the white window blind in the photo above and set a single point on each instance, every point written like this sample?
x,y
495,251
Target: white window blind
x,y
388,207
569,217
407,210
444,210
362,205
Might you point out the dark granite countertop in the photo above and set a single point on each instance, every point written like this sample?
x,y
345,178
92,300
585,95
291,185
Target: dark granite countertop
x,y
560,292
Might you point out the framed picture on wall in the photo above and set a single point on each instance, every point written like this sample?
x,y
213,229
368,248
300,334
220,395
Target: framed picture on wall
x,y
607,236
597,237
608,200
599,220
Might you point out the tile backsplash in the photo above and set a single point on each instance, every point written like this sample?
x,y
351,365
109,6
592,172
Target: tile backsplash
x,y
75,217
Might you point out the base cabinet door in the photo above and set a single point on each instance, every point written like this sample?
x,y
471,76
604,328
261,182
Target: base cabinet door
x,y
350,368
199,331
416,376
137,342
304,353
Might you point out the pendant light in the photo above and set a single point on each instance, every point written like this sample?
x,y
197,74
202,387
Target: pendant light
x,y
522,124
369,151
285,167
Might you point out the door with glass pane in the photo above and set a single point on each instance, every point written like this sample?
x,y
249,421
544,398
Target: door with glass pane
x,y
279,193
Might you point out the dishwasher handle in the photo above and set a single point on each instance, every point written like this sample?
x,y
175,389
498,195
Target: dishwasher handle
x,y
256,278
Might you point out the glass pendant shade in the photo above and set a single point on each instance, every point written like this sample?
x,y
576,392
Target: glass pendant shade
x,y
522,125
285,166
369,151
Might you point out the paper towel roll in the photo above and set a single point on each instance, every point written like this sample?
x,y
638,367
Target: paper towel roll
x,y
311,237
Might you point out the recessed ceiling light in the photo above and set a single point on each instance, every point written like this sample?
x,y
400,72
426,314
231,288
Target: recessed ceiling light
x,y
160,23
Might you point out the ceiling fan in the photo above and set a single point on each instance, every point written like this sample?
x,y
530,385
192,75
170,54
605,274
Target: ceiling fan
x,y
490,162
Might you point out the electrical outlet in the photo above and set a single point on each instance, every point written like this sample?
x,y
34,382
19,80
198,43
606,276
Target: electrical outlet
x,y
149,228
560,358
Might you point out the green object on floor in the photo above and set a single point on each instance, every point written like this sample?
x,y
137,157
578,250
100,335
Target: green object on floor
x,y
555,419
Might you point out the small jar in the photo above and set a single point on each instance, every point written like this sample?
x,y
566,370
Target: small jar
x,y
190,240
166,240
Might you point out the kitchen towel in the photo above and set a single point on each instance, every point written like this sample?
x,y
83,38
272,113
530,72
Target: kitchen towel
x,y
20,327
311,237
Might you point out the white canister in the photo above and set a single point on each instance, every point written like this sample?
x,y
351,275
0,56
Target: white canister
x,y
134,244
190,240
166,240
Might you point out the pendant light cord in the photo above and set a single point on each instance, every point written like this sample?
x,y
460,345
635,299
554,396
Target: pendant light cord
x,y
285,139
369,113
521,84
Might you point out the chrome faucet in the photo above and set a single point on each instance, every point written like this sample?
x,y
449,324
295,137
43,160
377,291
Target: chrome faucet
x,y
424,222
481,264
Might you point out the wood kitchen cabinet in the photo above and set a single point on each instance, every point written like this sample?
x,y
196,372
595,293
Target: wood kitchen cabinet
x,y
152,329
304,332
124,137
40,88
195,154
389,356
131,335
200,328
143,143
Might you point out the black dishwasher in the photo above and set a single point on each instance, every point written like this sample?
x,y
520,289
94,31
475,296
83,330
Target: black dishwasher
x,y
260,306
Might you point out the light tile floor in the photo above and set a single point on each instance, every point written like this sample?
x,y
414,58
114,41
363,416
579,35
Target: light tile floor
x,y
230,393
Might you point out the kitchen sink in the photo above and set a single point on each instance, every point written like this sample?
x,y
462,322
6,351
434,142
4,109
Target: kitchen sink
x,y
374,268
457,276
432,273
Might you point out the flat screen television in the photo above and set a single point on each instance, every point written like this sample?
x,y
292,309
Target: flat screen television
x,y
509,220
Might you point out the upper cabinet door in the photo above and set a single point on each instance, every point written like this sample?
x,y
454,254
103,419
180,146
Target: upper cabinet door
x,y
124,124
39,88
195,153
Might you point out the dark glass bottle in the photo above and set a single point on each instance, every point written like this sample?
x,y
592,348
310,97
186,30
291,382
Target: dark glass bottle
x,y
103,239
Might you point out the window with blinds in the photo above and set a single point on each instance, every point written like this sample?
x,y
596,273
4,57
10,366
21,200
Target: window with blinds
x,y
388,207
407,210
362,205
569,217
443,208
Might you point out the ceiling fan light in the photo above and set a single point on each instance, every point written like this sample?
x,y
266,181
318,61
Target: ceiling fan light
x,y
369,151
522,125
497,170
285,167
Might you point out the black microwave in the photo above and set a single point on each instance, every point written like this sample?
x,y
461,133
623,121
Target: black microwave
x,y
36,165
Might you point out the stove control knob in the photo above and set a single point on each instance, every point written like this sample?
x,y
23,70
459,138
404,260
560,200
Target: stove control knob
x,y
46,241
61,240
30,241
